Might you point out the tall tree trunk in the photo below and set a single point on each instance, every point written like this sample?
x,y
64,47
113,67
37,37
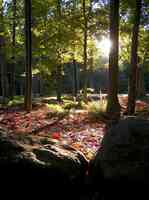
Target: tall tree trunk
x,y
12,81
113,106
91,69
133,70
140,82
59,65
2,64
91,51
75,77
85,50
59,83
28,47
75,84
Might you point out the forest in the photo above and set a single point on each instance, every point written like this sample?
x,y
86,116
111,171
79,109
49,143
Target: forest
x,y
74,96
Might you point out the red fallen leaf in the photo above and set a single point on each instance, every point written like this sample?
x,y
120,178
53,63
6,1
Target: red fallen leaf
x,y
56,135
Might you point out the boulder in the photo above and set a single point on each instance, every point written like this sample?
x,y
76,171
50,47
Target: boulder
x,y
122,162
41,169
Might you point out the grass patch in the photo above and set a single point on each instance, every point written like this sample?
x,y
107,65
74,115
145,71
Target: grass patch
x,y
97,109
62,110
57,111
17,100
73,105
55,107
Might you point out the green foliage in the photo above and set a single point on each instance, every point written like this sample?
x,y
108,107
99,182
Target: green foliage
x,y
57,111
97,109
73,105
55,107
17,100
58,37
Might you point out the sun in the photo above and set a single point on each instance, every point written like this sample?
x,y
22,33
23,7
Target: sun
x,y
104,46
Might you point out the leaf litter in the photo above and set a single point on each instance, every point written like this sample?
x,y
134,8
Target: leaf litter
x,y
75,129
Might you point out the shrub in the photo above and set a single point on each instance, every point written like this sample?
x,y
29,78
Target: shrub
x,y
89,91
73,105
16,101
97,109
57,111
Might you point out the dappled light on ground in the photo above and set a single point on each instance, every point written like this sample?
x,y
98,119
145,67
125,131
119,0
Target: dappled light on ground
x,y
74,129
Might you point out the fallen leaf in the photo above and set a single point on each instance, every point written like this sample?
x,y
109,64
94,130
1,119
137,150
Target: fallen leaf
x,y
56,135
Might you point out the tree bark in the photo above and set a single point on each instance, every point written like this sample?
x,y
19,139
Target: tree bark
x,y
12,81
91,69
85,50
75,77
59,65
133,62
75,85
140,82
113,106
28,48
59,83
2,60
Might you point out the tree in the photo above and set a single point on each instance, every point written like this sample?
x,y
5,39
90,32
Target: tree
x,y
63,32
58,36
12,81
75,85
28,48
134,59
140,81
85,30
113,106
2,56
59,52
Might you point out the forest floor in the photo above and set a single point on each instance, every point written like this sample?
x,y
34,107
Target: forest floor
x,y
75,128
